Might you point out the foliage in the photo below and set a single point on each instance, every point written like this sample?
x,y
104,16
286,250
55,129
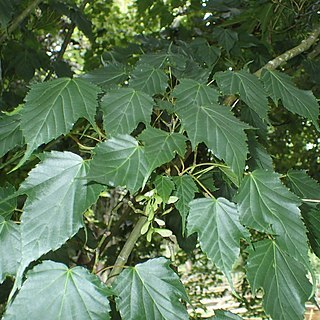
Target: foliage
x,y
115,145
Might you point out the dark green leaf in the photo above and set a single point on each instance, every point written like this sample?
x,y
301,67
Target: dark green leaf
x,y
248,87
150,290
82,22
280,86
148,79
10,248
219,231
164,186
75,294
226,38
53,107
58,195
161,147
10,133
283,279
119,161
6,11
185,191
312,220
8,201
267,205
124,109
260,158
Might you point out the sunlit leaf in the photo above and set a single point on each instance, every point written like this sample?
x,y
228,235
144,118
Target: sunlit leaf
x,y
164,186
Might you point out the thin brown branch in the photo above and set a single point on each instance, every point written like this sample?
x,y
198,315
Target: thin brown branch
x,y
16,22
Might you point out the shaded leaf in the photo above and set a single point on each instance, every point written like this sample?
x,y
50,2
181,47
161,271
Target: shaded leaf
x,y
148,79
248,86
75,294
164,186
10,249
260,158
119,161
268,206
283,279
312,220
52,108
216,222
58,195
10,133
225,315
161,146
6,11
185,191
8,201
226,38
124,108
150,290
301,102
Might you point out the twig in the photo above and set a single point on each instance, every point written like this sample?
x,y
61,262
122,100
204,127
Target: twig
x,y
19,19
126,250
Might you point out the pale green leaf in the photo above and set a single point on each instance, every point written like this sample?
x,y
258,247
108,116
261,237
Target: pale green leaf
x,y
161,146
247,86
52,291
150,290
53,107
164,186
216,222
58,194
109,76
10,248
185,191
8,200
148,79
282,278
301,102
119,161
225,315
124,108
10,133
268,206
215,125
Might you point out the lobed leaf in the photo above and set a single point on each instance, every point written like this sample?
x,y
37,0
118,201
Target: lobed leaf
x,y
8,201
164,186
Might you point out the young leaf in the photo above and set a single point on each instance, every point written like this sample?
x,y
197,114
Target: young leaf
x,y
283,279
249,88
10,249
164,186
108,76
280,86
268,206
219,231
73,293
8,201
148,79
150,290
161,146
52,108
58,194
185,191
119,161
10,133
124,108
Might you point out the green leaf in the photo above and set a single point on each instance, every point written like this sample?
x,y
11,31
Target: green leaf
x,y
58,195
301,102
150,290
8,201
268,206
283,279
204,52
52,108
248,86
303,185
109,76
215,125
185,191
216,222
164,186
148,79
10,133
6,11
74,294
226,38
225,315
10,249
161,146
312,220
124,108
259,157
119,161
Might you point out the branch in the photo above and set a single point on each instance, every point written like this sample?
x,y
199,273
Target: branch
x,y
19,19
126,250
